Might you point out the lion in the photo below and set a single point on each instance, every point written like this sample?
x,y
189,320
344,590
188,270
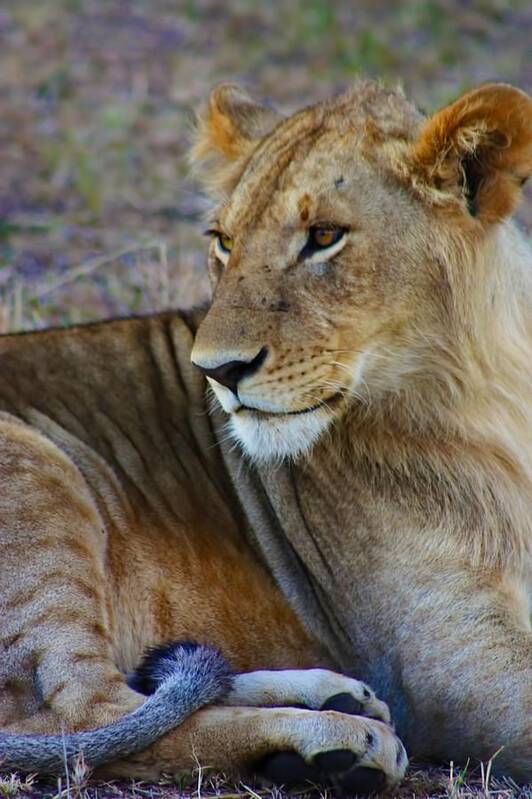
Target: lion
x,y
325,475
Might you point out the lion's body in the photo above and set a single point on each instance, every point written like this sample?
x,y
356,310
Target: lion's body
x,y
399,538
151,479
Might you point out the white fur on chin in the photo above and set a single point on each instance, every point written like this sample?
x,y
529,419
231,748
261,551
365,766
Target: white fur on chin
x,y
267,439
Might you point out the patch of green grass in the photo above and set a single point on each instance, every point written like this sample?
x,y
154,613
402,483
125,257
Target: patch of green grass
x,y
12,785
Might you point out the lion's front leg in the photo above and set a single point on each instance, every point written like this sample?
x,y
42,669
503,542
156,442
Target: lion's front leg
x,y
342,737
283,745
464,671
313,689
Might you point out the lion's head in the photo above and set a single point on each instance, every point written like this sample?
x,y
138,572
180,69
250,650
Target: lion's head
x,y
345,237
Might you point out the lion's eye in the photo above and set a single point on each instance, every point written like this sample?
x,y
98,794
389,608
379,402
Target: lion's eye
x,y
324,241
225,242
322,237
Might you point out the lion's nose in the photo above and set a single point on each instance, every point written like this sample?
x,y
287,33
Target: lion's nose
x,y
231,373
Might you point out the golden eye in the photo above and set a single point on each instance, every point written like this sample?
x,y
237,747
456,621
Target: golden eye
x,y
322,237
225,242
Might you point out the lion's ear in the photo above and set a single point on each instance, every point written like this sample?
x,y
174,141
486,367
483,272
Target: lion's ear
x,y
480,149
227,132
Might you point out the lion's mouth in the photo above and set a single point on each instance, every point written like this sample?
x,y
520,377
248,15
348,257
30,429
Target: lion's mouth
x,y
325,404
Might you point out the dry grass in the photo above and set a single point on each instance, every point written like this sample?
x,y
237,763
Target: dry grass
x,y
98,216
421,783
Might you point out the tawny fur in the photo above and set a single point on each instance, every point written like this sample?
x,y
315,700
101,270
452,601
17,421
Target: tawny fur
x,y
386,532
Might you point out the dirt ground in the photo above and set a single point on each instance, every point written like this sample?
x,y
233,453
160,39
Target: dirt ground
x,y
98,215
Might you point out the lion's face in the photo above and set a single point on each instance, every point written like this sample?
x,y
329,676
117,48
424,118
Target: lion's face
x,y
325,266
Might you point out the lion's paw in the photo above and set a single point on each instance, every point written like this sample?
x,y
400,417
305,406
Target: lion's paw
x,y
315,689
353,755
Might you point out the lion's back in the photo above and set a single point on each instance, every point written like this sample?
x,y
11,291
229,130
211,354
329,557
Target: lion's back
x,y
122,400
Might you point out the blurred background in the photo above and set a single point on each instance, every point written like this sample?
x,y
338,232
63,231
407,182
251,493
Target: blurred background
x,y
98,215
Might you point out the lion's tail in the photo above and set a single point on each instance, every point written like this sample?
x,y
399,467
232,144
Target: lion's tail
x,y
188,678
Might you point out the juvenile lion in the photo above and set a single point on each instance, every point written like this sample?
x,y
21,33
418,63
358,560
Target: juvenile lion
x,y
362,501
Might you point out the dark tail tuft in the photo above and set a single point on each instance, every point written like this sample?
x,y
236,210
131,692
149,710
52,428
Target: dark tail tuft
x,y
161,663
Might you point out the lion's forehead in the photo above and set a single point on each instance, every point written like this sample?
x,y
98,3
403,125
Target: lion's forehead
x,y
320,164
309,187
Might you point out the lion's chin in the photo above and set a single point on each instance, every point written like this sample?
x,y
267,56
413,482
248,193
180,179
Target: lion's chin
x,y
270,438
